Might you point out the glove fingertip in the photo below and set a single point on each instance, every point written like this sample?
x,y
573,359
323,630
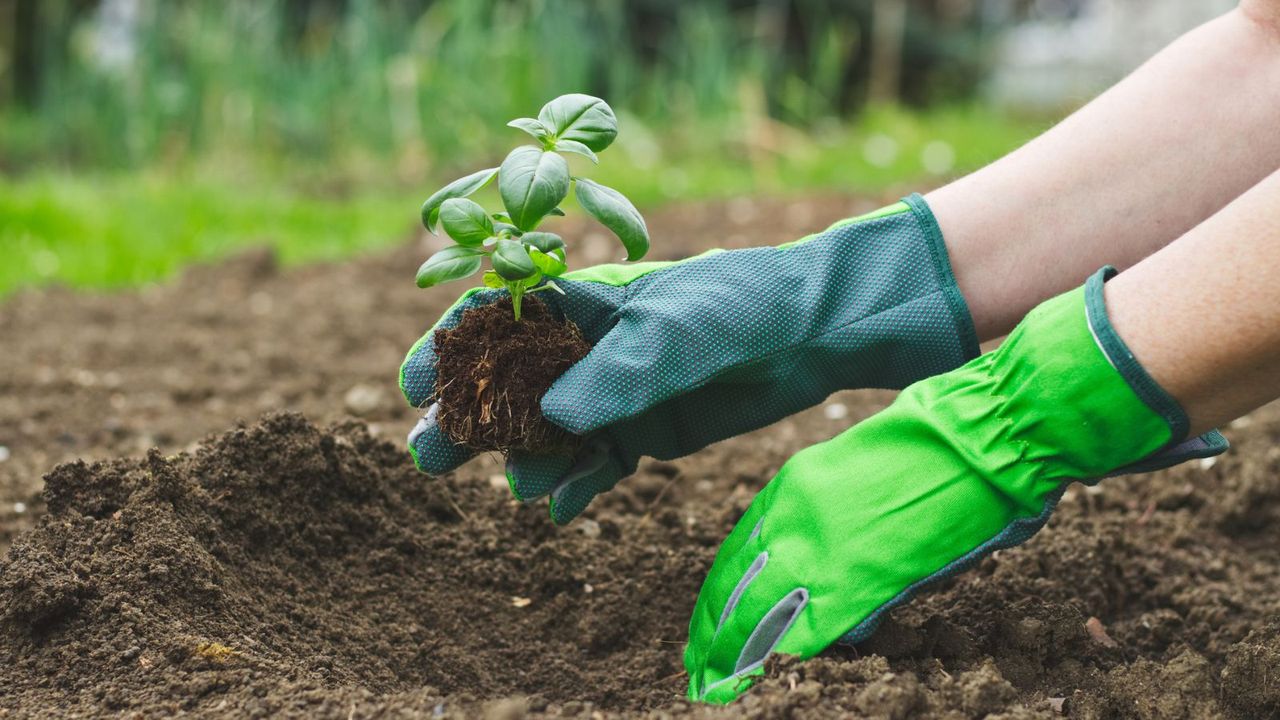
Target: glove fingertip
x,y
569,500
418,371
591,475
533,476
559,516
432,452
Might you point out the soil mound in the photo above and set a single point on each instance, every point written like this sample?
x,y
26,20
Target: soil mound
x,y
284,569
280,569
283,554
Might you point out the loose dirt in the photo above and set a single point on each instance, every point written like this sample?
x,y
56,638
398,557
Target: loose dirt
x,y
492,371
298,566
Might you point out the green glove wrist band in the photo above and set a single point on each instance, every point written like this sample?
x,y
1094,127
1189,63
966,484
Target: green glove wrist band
x,y
960,465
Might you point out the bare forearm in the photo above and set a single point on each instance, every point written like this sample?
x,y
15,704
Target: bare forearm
x,y
1203,314
1136,168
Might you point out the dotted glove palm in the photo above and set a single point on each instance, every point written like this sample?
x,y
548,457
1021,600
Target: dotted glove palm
x,y
958,466
692,352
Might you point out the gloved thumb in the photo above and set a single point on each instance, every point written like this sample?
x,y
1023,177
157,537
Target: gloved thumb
x,y
617,380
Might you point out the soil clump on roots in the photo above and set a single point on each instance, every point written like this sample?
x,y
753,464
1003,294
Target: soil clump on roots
x,y
493,371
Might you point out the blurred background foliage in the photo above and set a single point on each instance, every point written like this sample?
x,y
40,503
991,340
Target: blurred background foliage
x,y
137,135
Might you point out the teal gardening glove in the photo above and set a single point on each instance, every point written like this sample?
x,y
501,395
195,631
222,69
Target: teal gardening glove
x,y
960,465
691,352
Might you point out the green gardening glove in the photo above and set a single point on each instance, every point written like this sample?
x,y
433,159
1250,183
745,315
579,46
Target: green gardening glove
x,y
692,352
960,465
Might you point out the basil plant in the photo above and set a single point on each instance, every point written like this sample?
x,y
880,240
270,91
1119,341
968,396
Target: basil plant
x,y
533,181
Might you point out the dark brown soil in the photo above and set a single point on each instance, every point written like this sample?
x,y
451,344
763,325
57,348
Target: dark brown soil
x,y
493,371
281,568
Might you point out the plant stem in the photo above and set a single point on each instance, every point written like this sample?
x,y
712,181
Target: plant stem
x,y
517,294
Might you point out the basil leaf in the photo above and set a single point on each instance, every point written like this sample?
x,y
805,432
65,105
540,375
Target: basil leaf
x,y
616,213
586,119
574,146
532,183
465,221
548,264
452,263
544,241
461,187
493,279
511,261
539,131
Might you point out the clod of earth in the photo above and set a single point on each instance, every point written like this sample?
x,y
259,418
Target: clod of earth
x,y
493,371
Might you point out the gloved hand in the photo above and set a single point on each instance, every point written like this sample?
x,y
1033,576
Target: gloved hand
x,y
960,465
692,352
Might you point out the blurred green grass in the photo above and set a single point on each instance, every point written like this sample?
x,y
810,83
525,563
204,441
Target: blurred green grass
x,y
128,227
318,128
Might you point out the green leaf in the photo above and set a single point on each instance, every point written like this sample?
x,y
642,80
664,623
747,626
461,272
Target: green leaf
x,y
452,263
557,212
544,241
574,146
616,213
533,127
532,183
501,227
548,264
493,280
461,187
511,261
502,217
588,120
465,221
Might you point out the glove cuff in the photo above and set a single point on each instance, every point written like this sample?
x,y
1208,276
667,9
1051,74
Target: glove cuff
x,y
1123,360
1076,401
1180,448
961,318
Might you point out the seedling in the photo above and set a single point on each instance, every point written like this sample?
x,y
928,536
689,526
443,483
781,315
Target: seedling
x,y
533,181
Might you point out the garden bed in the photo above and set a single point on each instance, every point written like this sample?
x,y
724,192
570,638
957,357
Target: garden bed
x,y
298,564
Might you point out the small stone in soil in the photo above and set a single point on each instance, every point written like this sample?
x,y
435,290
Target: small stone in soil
x,y
362,400
1098,632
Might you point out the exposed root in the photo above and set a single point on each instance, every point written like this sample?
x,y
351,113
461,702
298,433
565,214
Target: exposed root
x,y
493,372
